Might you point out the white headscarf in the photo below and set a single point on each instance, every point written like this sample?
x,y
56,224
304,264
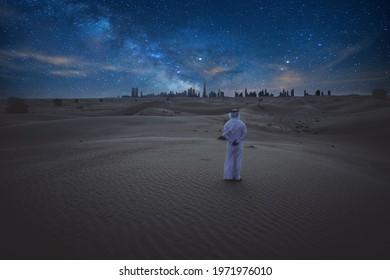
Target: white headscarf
x,y
234,114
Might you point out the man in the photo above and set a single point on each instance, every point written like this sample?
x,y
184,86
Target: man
x,y
234,132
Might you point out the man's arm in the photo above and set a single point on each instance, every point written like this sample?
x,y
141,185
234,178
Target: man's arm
x,y
226,132
243,133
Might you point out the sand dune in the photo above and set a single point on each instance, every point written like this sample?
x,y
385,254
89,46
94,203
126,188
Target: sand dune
x,y
145,182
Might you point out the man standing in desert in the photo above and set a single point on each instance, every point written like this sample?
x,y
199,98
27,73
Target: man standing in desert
x,y
234,132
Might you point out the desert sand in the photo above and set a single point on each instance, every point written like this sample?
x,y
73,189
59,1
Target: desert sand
x,y
126,179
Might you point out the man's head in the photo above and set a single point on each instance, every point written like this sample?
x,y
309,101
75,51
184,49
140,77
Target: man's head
x,y
234,113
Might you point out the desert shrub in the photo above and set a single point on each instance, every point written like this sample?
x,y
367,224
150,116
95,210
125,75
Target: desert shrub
x,y
57,102
16,105
76,101
101,99
379,93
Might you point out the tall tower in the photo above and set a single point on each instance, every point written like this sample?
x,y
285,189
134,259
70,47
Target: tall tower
x,y
134,92
204,89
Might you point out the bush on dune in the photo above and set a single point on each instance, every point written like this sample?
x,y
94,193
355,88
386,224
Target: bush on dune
x,y
16,105
57,102
379,93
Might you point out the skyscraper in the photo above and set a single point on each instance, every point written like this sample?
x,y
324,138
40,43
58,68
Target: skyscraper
x,y
204,89
134,92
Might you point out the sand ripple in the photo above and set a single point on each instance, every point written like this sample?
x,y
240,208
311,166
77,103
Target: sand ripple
x,y
159,198
150,187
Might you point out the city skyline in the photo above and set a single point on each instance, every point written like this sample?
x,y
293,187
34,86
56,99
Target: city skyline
x,y
87,49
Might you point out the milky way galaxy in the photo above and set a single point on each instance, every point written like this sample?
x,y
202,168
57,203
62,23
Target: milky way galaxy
x,y
64,48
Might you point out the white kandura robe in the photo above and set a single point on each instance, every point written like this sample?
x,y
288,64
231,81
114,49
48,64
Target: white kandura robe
x,y
234,129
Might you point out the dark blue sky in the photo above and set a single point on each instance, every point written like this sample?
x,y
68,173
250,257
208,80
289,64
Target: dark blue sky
x,y
104,48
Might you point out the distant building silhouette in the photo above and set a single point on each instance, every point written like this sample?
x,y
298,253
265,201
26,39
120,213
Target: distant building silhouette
x,y
204,89
263,93
134,92
252,94
191,92
213,94
285,93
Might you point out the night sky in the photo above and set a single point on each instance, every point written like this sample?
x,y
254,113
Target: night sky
x,y
104,48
